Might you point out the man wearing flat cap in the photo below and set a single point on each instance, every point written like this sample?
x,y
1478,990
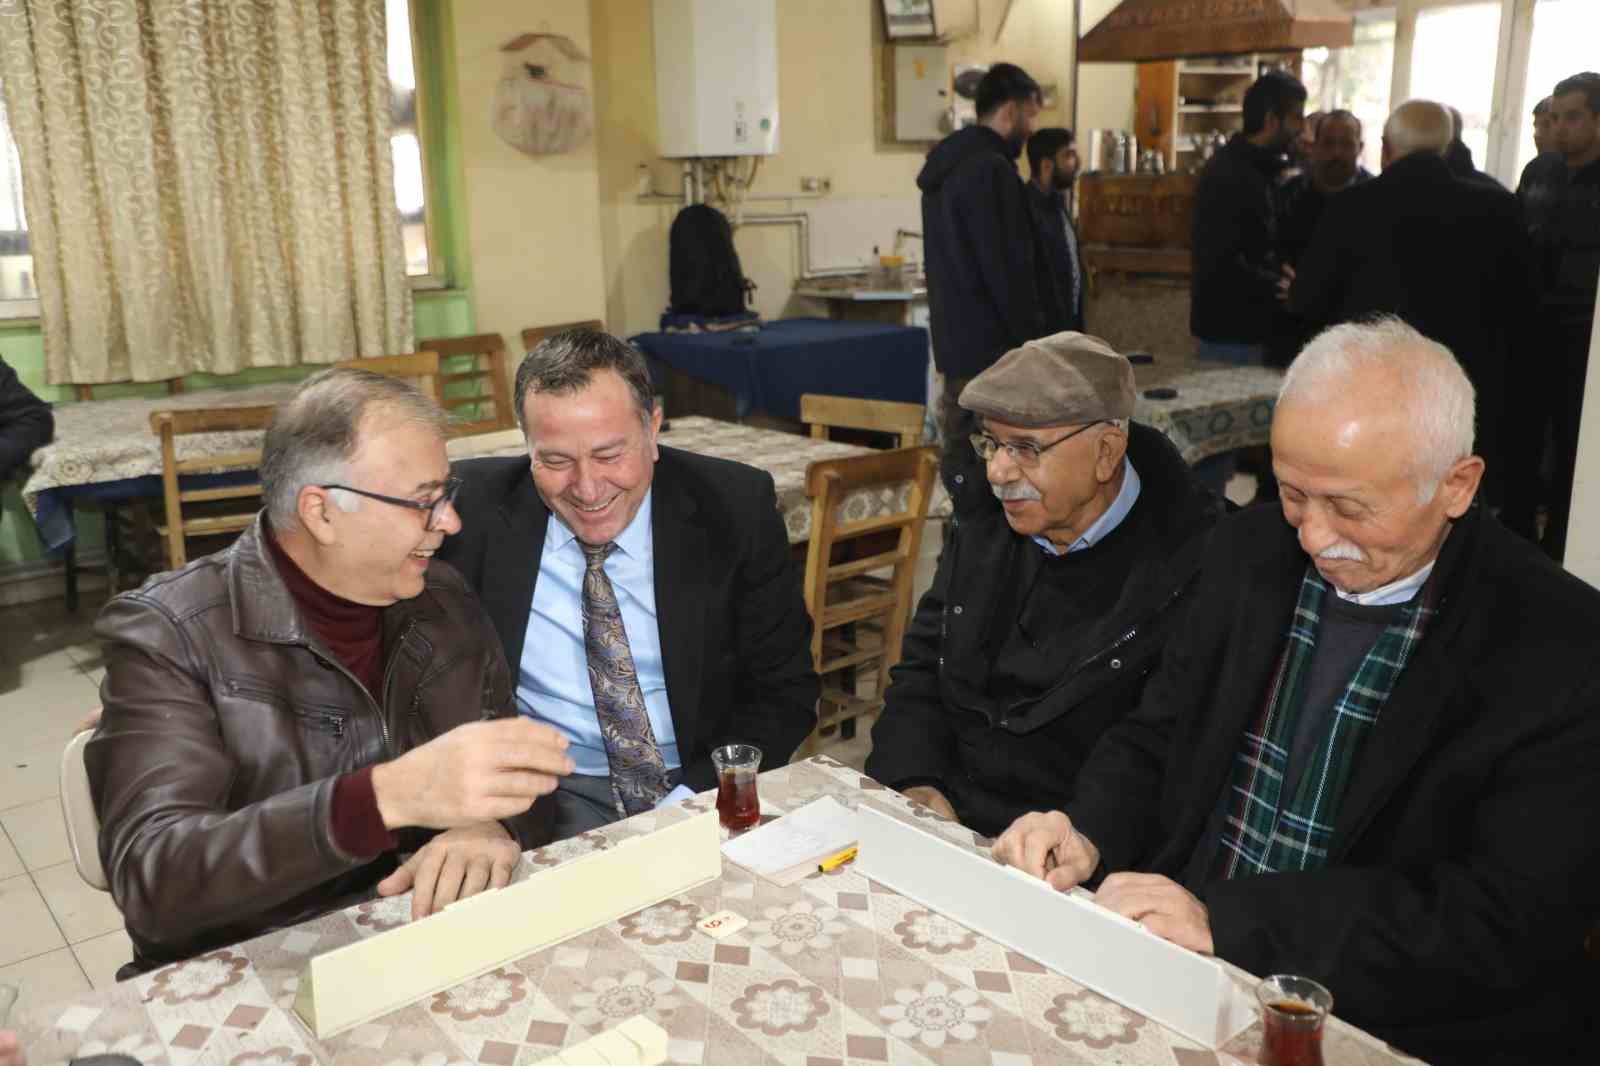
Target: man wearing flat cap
x,y
1055,592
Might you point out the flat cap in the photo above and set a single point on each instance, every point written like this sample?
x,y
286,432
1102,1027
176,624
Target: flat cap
x,y
1054,381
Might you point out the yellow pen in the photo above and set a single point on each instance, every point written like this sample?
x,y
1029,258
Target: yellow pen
x,y
833,862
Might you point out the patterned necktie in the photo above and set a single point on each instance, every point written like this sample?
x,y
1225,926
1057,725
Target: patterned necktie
x,y
638,774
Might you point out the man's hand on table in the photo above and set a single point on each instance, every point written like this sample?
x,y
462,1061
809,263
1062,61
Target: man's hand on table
x,y
1045,845
1162,906
452,866
479,772
10,1049
932,799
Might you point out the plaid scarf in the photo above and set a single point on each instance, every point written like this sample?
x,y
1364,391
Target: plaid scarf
x,y
1262,834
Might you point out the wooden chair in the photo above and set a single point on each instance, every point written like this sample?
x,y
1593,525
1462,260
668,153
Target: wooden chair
x,y
858,619
420,368
218,516
481,361
533,335
846,412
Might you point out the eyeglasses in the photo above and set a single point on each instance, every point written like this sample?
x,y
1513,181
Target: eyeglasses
x,y
1023,453
435,507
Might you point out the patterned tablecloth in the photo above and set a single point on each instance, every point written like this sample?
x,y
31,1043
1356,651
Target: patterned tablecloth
x,y
110,440
1217,409
832,970
783,455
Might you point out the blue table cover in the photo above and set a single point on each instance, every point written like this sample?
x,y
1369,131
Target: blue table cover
x,y
769,370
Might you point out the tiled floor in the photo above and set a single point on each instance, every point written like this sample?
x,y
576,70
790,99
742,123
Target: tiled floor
x,y
58,935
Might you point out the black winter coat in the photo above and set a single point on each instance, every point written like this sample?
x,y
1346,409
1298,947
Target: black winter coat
x,y
1464,867
990,283
995,762
26,423
1234,288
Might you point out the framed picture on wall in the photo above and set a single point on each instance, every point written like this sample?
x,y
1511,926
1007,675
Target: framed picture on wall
x,y
908,18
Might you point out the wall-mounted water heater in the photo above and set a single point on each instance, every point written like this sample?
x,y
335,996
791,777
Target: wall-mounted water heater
x,y
716,77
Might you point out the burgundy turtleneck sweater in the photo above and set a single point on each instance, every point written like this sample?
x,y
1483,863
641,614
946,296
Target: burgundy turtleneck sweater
x,y
354,633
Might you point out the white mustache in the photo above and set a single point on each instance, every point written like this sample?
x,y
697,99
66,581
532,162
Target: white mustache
x,y
1342,550
1019,490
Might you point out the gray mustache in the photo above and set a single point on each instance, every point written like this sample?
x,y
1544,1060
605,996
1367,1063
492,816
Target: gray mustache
x,y
1020,490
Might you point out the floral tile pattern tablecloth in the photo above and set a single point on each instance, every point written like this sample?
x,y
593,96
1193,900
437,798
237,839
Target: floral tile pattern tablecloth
x,y
1218,408
833,970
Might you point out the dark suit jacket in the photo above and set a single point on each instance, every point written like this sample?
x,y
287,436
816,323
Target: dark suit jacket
x,y
1465,866
1449,256
735,636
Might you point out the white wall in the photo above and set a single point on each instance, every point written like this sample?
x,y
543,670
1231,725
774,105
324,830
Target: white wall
x,y
1583,528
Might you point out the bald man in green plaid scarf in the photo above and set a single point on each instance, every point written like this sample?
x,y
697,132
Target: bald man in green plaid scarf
x,y
1372,757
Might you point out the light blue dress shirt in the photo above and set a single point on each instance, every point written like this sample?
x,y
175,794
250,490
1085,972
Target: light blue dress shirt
x,y
553,674
1102,527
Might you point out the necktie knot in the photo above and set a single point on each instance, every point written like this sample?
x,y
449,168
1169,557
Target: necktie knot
x,y
596,554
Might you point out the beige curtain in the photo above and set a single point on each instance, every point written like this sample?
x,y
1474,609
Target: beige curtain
x,y
208,183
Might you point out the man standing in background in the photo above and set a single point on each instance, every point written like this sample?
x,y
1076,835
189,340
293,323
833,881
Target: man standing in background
x,y
1053,164
1560,194
990,287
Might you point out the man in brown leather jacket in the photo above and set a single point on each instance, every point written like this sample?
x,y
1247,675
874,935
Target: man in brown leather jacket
x,y
285,718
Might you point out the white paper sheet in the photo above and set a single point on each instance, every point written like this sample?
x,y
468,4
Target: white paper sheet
x,y
801,837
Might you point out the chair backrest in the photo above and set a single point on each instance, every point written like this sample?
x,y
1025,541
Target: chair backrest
x,y
905,420
420,368
535,334
472,378
840,592
169,426
77,811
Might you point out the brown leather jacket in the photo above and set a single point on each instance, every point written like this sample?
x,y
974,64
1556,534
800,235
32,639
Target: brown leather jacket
x,y
226,725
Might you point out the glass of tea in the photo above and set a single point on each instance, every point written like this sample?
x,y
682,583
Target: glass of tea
x,y
1293,1011
738,806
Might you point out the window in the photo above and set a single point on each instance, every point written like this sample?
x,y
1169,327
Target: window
x,y
1562,45
405,141
1452,61
1356,79
17,296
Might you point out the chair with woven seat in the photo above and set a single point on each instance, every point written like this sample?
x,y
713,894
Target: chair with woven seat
x,y
903,420
419,368
216,510
859,618
473,386
533,335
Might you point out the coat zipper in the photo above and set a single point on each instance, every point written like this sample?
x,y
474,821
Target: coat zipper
x,y
334,723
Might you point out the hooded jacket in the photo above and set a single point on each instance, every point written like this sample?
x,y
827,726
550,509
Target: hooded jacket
x,y
990,283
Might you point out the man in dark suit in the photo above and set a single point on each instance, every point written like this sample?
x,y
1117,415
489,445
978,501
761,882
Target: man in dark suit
x,y
1371,755
645,596
1447,255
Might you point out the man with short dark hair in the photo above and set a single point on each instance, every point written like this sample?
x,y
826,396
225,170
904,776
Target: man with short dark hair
x,y
1053,164
1560,194
990,285
1544,126
1235,257
645,595
283,716
1444,253
1334,165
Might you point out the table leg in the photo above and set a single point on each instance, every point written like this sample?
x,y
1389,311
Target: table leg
x,y
69,561
113,551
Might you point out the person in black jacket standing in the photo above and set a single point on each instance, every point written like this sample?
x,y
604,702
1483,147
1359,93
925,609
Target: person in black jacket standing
x,y
1052,168
1055,593
990,285
1235,263
1371,753
1560,195
26,423
1445,253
